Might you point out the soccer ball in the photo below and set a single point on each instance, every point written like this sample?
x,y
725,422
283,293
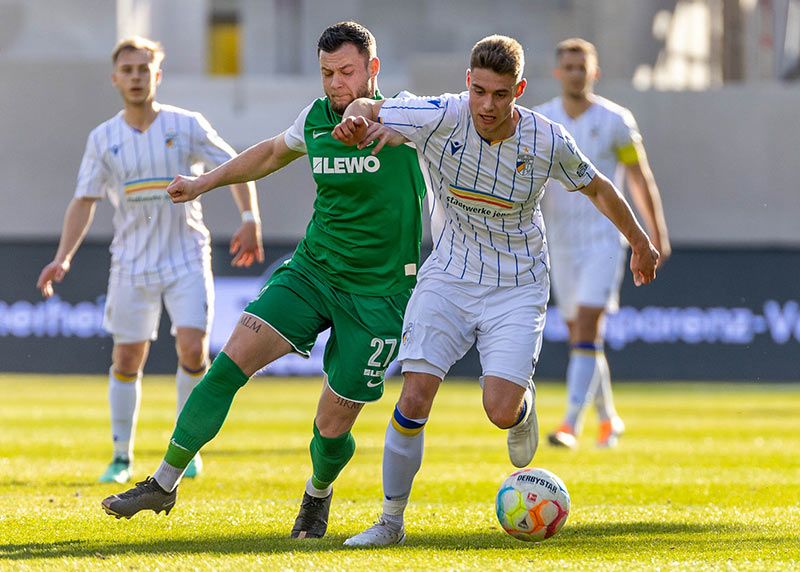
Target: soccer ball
x,y
532,504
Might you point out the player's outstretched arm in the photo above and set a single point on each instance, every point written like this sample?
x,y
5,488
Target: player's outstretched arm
x,y
610,202
77,220
647,200
258,161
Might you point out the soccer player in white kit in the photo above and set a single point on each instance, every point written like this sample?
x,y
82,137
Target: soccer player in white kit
x,y
160,250
486,282
587,252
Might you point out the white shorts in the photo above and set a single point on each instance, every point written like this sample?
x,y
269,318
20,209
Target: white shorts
x,y
132,313
447,315
587,277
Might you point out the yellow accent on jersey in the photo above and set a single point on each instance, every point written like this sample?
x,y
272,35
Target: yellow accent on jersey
x,y
628,155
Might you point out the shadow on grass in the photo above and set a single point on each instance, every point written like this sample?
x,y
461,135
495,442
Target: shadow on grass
x,y
620,538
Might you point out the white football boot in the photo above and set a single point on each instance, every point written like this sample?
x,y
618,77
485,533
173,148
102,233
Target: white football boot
x,y
381,533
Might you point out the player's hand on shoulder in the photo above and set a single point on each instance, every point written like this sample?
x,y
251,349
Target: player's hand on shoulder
x,y
53,272
644,261
183,189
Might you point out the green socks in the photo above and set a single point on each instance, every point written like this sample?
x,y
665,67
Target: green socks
x,y
205,411
329,456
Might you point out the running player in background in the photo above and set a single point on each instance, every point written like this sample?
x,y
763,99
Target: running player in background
x,y
486,282
587,252
353,273
160,251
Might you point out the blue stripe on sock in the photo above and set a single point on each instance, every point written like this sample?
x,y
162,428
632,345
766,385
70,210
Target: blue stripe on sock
x,y
404,421
522,413
588,346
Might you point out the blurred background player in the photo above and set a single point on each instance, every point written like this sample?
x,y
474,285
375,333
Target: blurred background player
x,y
587,252
352,272
160,251
486,282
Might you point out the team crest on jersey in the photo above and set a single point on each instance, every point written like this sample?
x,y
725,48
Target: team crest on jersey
x,y
525,164
169,138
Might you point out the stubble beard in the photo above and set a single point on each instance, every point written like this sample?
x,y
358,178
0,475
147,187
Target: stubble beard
x,y
365,91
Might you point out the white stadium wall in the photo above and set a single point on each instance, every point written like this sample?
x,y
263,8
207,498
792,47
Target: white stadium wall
x,y
724,159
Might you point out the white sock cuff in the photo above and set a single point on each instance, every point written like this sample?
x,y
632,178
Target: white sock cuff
x,y
167,476
394,507
318,493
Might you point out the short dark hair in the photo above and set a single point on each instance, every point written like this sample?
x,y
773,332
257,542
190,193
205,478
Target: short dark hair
x,y
334,37
501,54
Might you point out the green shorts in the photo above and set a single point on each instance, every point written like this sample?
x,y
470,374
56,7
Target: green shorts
x,y
365,330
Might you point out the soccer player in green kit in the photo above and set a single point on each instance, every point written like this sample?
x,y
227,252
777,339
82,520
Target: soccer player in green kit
x,y
353,272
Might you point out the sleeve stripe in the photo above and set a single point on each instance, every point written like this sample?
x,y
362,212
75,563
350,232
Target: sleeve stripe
x,y
402,124
426,108
566,174
627,155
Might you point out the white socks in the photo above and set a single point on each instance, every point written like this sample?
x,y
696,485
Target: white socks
x,y
402,458
124,397
582,381
318,493
604,398
168,476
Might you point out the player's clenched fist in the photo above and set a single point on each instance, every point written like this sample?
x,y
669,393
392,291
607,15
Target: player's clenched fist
x,y
362,133
183,189
351,130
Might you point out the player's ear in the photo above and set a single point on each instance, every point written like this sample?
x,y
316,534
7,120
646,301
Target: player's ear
x,y
159,75
469,78
374,66
520,88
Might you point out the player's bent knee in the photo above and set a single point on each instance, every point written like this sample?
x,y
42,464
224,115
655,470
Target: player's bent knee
x,y
503,419
192,356
129,358
501,410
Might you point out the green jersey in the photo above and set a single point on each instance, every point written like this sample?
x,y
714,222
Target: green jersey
x,y
365,233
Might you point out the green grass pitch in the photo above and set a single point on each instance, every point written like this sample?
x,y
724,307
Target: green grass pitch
x,y
707,478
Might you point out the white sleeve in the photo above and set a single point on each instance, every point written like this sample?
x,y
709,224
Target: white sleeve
x,y
417,117
93,175
570,167
295,137
207,146
627,137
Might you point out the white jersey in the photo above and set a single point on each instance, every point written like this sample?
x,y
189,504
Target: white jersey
x,y
606,133
490,229
155,241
